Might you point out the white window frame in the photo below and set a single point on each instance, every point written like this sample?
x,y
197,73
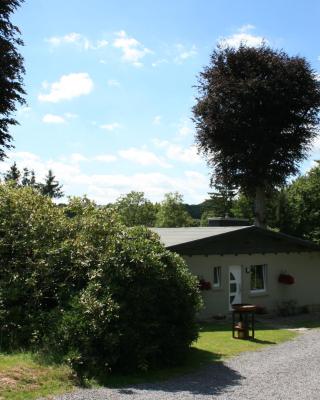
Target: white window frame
x,y
264,274
216,285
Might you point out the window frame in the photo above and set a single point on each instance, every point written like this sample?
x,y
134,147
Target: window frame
x,y
264,275
216,285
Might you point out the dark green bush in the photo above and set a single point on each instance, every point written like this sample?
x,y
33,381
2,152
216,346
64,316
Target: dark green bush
x,y
33,259
138,309
74,280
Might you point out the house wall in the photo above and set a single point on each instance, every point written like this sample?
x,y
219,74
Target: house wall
x,y
304,267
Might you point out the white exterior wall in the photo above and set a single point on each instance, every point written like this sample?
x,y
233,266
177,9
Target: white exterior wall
x,y
304,267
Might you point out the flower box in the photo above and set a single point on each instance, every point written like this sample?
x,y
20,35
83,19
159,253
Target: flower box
x,y
286,279
204,285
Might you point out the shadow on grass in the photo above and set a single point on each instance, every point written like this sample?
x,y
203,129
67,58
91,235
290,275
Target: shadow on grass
x,y
265,324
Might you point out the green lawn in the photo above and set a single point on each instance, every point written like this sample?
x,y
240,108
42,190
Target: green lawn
x,y
24,378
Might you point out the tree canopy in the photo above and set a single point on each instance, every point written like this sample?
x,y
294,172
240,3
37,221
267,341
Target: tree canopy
x,y
172,212
11,72
256,117
134,209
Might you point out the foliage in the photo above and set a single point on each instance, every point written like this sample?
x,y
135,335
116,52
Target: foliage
x,y
134,209
11,72
74,280
33,263
138,308
172,212
222,200
51,187
13,174
300,208
256,117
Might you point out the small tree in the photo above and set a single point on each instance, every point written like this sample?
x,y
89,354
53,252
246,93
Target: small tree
x,y
29,178
134,209
11,72
172,212
13,174
256,117
51,187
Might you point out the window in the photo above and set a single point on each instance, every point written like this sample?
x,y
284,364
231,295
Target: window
x,y
258,278
216,277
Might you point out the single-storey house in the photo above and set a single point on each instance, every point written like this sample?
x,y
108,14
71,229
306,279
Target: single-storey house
x,y
248,264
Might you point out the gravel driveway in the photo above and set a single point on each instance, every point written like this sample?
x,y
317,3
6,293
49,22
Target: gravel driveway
x,y
290,370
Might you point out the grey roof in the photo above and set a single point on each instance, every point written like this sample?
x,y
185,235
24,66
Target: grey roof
x,y
231,240
175,236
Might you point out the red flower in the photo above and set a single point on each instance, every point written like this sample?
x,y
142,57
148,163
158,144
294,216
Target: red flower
x,y
286,279
204,285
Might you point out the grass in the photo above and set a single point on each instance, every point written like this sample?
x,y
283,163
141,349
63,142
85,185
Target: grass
x,y
23,377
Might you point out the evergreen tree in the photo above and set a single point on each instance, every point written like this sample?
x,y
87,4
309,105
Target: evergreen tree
x,y
11,72
51,187
13,174
29,178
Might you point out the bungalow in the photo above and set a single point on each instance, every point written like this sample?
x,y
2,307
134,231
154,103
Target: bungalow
x,y
247,264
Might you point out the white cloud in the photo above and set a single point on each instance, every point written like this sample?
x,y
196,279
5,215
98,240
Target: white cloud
x,y
157,120
159,62
184,53
177,152
105,188
132,50
143,157
53,119
316,144
67,87
184,128
243,36
188,155
77,157
24,110
110,127
106,158
113,82
70,115
77,39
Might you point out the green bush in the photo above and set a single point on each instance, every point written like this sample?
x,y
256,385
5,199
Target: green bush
x,y
33,258
74,280
138,308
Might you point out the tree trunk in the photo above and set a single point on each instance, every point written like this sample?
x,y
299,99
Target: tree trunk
x,y
260,208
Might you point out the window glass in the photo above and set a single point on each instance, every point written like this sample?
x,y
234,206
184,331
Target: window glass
x,y
258,278
216,277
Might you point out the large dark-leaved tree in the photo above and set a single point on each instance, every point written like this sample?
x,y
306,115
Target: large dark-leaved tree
x,y
11,72
256,117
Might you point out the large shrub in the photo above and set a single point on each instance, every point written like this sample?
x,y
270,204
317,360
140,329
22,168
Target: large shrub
x,y
138,308
33,260
75,280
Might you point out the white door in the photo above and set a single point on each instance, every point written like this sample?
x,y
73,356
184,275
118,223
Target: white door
x,y
234,285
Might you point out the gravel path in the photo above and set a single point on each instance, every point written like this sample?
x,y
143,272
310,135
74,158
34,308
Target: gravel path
x,y
290,370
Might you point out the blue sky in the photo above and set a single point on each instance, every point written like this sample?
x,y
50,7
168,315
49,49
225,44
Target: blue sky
x,y
110,86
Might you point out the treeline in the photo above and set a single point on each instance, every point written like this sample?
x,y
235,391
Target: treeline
x,y
27,178
292,209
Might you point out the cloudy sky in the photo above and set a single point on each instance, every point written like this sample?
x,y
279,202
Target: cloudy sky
x,y
110,86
